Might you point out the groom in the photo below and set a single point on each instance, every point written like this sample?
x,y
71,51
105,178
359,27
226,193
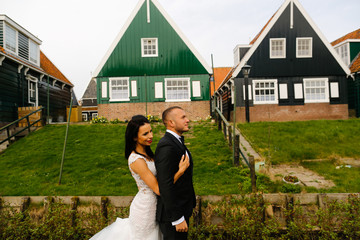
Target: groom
x,y
177,200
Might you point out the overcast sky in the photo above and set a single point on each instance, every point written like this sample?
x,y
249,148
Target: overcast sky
x,y
76,34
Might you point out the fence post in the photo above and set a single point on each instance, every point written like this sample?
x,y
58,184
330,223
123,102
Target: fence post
x,y
28,122
74,204
219,123
197,212
237,149
230,136
224,129
25,203
103,207
252,173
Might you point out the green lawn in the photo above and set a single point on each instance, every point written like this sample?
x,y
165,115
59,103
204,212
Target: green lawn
x,y
286,142
95,163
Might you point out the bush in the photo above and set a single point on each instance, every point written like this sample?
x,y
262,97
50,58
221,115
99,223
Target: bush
x,y
99,120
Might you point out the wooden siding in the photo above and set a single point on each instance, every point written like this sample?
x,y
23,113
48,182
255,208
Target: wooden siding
x,y
322,62
174,56
14,93
146,88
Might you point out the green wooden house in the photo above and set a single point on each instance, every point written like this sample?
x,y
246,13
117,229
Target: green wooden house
x,y
150,66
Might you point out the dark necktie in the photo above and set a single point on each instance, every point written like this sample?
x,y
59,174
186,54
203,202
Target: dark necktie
x,y
182,139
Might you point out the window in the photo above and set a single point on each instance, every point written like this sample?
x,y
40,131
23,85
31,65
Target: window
x,y
10,39
32,90
119,89
149,47
84,117
34,52
316,90
277,48
303,47
343,52
177,89
94,115
265,91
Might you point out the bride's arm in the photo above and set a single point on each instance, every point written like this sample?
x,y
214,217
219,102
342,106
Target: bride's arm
x,y
140,167
183,165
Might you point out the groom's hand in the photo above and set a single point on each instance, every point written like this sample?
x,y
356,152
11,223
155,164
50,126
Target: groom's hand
x,y
182,227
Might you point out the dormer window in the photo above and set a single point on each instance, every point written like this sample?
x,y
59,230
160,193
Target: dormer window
x,y
34,52
149,47
10,39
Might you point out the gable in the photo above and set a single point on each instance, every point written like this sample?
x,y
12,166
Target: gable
x,y
291,22
175,56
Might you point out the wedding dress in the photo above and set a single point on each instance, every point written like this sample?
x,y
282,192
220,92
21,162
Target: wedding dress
x,y
141,224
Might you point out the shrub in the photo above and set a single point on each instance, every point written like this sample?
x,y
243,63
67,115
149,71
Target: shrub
x,y
100,119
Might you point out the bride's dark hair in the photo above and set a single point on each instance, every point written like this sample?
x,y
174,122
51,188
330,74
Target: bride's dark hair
x,y
131,133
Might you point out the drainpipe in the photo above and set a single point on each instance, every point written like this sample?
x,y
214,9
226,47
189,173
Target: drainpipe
x,y
48,100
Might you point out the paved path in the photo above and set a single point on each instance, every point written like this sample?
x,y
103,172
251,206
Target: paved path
x,y
307,177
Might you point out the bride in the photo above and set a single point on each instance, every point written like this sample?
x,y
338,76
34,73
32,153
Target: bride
x,y
141,223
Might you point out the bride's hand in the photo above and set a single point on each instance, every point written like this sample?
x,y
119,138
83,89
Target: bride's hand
x,y
184,163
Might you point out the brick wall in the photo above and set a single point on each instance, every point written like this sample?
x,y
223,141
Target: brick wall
x,y
276,113
195,110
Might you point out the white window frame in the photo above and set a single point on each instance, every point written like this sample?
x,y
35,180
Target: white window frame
x,y
6,39
84,117
265,81
33,81
344,53
326,99
310,47
143,47
177,100
112,99
32,51
283,55
94,115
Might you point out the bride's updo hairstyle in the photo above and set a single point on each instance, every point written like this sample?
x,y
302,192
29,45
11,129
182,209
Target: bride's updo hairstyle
x,y
131,133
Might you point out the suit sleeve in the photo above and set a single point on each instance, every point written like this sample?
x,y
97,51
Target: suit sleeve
x,y
167,165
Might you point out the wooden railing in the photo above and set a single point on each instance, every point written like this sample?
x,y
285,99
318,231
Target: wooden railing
x,y
228,131
29,125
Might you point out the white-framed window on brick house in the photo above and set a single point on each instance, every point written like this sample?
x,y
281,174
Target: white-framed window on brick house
x,y
10,39
316,90
277,48
119,89
34,52
304,47
149,47
84,117
177,89
265,91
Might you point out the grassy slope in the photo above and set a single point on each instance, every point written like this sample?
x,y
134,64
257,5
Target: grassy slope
x,y
95,162
296,141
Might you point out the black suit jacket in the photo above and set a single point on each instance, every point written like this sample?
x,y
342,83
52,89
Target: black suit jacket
x,y
175,200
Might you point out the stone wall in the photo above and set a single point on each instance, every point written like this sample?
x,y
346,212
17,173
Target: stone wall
x,y
276,205
196,110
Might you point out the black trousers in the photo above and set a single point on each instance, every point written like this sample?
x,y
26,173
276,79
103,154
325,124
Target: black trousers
x,y
169,232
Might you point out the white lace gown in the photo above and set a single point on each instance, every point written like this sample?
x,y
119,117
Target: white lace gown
x,y
141,224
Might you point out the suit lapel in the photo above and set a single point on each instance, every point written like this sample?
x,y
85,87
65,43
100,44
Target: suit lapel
x,y
175,140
